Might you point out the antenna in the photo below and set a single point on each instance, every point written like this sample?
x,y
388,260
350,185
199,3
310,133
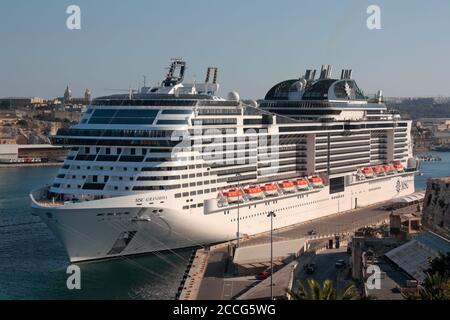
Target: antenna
x,y
145,80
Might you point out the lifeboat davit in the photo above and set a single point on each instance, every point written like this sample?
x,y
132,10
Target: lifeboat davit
x,y
378,171
316,182
254,192
367,172
287,186
270,189
301,184
233,195
388,169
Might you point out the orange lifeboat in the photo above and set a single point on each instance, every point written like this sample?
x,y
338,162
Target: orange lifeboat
x,y
399,167
270,189
254,192
233,195
301,184
367,172
388,169
316,181
378,171
287,186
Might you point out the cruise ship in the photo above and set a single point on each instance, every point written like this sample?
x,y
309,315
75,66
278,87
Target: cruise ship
x,y
175,165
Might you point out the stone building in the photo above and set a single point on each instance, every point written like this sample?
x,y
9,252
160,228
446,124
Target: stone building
x,y
436,207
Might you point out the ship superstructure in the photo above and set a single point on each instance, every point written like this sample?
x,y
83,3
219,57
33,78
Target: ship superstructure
x,y
176,166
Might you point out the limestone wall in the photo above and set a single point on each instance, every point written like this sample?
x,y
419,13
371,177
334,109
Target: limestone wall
x,y
436,206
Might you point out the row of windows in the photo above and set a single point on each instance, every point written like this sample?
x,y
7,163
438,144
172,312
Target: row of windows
x,y
139,102
116,133
197,192
107,142
342,127
173,122
218,121
193,206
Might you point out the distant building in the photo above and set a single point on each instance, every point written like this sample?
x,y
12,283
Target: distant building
x,y
15,102
441,137
68,98
435,124
67,95
43,151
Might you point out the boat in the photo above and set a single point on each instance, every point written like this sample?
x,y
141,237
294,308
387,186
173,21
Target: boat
x,y
233,195
316,182
287,186
270,189
398,167
120,192
378,171
367,172
254,192
301,184
388,169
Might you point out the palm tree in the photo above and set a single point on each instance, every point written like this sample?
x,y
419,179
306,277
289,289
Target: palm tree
x,y
435,287
324,292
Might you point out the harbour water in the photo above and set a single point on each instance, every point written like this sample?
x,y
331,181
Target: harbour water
x,y
33,263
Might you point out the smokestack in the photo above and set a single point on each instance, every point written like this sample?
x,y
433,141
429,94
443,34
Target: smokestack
x,y
215,75
325,72
310,75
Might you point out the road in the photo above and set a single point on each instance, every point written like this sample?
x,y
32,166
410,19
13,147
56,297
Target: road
x,y
217,284
326,269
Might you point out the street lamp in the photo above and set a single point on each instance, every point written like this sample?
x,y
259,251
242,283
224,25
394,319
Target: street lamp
x,y
238,175
271,215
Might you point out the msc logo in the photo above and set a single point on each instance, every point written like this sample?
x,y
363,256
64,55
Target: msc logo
x,y
401,185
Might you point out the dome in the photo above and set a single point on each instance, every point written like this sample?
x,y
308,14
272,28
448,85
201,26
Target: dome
x,y
233,96
253,103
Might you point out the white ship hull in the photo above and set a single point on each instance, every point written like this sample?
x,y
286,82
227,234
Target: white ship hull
x,y
92,230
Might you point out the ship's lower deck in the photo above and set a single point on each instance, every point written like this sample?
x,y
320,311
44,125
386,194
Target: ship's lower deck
x,y
124,226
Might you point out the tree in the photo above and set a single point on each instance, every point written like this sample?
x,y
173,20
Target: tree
x,y
435,287
325,292
440,265
437,283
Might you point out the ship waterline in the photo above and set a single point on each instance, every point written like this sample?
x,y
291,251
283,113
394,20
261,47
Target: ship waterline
x,y
177,166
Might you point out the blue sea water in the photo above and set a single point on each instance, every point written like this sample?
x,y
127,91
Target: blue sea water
x,y
33,263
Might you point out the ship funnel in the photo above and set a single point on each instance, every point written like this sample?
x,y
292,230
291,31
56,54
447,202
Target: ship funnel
x,y
208,74
346,74
379,96
310,75
325,72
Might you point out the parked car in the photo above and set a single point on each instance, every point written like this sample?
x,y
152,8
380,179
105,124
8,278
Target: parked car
x,y
340,264
310,268
263,275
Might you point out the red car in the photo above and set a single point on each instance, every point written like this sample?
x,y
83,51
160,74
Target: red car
x,y
263,275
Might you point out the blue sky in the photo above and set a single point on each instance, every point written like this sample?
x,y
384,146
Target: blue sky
x,y
255,44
